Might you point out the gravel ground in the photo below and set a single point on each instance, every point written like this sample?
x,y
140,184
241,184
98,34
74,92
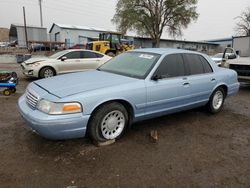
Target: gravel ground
x,y
194,149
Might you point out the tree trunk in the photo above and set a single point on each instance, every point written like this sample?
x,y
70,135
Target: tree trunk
x,y
156,43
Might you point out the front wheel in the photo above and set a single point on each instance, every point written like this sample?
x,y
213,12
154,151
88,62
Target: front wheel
x,y
108,122
47,72
216,100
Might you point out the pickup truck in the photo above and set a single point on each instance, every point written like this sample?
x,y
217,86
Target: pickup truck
x,y
240,64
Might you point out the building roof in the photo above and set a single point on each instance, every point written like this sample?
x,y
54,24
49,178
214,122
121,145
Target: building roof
x,y
76,27
221,39
241,37
164,50
181,41
28,26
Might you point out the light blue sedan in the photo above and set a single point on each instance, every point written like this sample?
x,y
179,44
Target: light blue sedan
x,y
134,86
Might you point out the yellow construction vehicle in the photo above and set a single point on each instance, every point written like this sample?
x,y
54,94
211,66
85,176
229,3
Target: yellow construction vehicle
x,y
110,43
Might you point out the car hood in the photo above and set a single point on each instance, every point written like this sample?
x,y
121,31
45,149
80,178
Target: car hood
x,y
240,61
35,59
74,83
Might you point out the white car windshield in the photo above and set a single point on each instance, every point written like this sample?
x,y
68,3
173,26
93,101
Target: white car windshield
x,y
132,64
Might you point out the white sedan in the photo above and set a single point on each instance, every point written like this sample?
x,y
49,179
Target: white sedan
x,y
63,62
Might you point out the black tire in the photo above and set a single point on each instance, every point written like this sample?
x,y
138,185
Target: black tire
x,y
13,90
99,131
7,92
215,105
14,74
46,72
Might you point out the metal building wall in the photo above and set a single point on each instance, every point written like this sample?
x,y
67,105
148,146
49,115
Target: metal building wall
x,y
242,44
33,33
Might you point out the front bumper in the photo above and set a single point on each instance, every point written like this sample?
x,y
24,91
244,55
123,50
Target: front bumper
x,y
28,71
244,79
55,127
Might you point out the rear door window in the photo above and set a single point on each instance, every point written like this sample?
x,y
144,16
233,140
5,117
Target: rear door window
x,y
193,63
87,54
196,64
73,55
206,66
171,66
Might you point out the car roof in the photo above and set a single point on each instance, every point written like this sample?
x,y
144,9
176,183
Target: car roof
x,y
163,51
75,50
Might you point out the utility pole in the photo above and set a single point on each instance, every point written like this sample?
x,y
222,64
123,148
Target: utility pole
x,y
25,27
41,13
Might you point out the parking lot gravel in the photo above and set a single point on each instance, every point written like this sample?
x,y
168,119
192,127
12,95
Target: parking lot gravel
x,y
194,149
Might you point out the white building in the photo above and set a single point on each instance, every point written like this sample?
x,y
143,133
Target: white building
x,y
242,45
17,33
71,34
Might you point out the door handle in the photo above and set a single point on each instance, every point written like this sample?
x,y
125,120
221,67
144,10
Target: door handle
x,y
213,79
186,84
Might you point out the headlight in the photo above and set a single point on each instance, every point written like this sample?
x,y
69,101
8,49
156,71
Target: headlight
x,y
59,108
34,64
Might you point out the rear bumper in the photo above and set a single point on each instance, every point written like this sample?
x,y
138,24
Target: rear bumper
x,y
233,89
55,127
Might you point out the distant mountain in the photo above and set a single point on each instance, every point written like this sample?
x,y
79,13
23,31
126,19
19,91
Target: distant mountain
x,y
4,35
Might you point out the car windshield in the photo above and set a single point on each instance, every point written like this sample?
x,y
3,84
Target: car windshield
x,y
57,55
219,55
132,64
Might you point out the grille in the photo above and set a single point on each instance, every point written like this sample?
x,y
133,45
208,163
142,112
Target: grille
x,y
242,70
31,99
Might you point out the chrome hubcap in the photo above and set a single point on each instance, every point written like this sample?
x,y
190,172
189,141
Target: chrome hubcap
x,y
217,100
112,124
48,73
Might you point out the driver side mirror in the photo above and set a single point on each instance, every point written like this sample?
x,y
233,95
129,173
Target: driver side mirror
x,y
63,58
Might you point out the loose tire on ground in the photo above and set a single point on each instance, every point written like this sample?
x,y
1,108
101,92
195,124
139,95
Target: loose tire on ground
x,y
108,122
216,100
47,72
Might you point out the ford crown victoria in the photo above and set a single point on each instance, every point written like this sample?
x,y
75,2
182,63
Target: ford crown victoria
x,y
134,86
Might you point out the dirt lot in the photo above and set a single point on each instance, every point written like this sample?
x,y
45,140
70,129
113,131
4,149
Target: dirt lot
x,y
195,149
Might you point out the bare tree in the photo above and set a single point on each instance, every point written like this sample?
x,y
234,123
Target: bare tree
x,y
243,26
152,17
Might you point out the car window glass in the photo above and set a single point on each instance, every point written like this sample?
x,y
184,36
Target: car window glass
x,y
73,55
206,66
171,66
99,55
87,54
194,64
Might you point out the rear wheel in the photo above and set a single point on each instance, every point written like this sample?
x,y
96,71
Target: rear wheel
x,y
108,122
7,92
216,100
47,72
